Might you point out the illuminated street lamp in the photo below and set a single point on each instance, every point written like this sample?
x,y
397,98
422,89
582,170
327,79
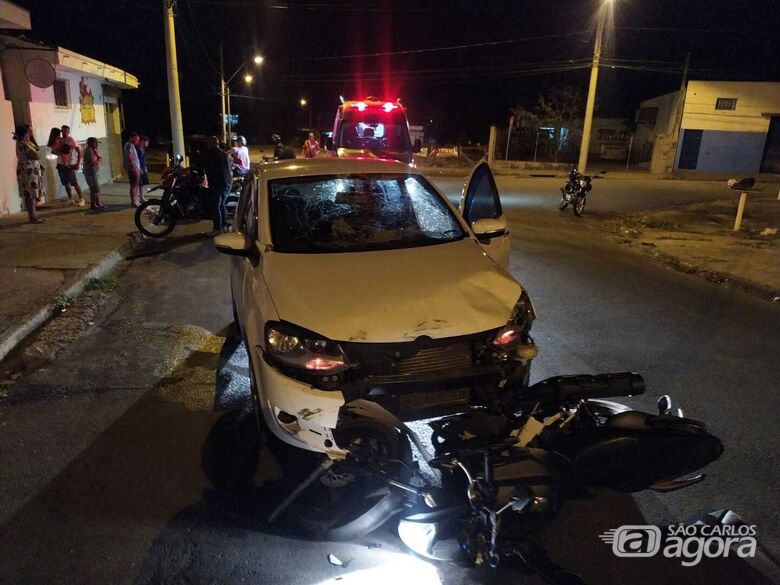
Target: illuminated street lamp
x,y
224,90
304,102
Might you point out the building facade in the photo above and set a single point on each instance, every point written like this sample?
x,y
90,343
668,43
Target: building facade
x,y
49,86
724,127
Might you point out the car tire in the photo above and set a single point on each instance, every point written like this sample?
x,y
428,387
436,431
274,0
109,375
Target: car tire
x,y
229,457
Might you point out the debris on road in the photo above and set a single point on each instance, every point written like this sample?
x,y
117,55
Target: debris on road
x,y
334,560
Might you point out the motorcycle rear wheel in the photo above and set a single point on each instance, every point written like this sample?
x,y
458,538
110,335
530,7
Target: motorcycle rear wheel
x,y
579,206
151,221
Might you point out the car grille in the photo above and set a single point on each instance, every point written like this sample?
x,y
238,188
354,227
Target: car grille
x,y
434,359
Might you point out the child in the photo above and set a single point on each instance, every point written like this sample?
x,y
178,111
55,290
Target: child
x,y
92,162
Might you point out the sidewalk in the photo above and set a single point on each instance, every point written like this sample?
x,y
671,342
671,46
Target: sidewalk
x,y
41,262
698,238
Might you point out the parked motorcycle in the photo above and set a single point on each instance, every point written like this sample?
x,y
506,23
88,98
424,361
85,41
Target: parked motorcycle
x,y
184,198
575,192
497,473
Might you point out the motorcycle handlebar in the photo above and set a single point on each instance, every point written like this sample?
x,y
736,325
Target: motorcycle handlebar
x,y
584,387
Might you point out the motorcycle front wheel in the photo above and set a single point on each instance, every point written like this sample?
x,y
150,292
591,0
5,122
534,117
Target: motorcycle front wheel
x,y
344,504
579,206
151,221
563,204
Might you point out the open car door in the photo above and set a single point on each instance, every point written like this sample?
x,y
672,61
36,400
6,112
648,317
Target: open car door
x,y
480,206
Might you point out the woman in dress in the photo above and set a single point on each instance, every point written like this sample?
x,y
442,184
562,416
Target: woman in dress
x,y
28,171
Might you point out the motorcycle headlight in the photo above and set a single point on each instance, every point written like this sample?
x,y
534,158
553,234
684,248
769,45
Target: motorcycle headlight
x,y
304,351
514,332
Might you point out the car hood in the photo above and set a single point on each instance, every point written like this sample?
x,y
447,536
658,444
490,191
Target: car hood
x,y
387,296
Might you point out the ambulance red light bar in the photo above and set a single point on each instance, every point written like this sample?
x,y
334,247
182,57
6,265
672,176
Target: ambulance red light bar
x,y
389,107
362,106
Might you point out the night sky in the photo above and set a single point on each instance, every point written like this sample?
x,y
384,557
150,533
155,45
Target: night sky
x,y
455,93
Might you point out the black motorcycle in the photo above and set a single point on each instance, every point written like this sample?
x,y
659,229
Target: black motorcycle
x,y
575,192
185,197
497,473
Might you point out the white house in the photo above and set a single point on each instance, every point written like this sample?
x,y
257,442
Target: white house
x,y
725,127
49,86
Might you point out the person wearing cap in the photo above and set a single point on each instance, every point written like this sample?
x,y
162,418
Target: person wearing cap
x,y
92,160
240,155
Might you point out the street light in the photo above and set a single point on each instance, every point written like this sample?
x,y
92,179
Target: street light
x,y
605,7
224,90
304,102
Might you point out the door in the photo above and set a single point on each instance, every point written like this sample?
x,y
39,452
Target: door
x,y
480,206
689,151
243,268
770,162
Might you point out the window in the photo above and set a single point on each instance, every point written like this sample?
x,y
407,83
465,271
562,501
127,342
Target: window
x,y
61,93
356,213
726,104
647,116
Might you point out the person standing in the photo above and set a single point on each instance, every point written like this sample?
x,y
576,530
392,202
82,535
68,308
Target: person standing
x,y
28,171
216,166
240,155
311,148
133,168
92,160
143,144
66,148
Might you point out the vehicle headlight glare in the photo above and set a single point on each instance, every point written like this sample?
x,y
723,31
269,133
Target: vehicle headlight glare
x,y
304,351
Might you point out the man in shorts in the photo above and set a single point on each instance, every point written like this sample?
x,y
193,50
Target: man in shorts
x,y
67,148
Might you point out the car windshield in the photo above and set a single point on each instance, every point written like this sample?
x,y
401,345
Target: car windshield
x,y
360,212
374,130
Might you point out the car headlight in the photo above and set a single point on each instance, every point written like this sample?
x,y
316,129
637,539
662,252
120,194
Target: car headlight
x,y
514,332
304,351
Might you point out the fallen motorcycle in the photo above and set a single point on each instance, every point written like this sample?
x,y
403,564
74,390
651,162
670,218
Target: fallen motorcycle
x,y
575,192
494,475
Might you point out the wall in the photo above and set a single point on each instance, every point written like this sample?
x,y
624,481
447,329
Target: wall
x,y
10,201
729,152
45,115
664,122
753,100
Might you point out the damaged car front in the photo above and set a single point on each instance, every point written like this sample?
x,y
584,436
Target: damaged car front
x,y
365,283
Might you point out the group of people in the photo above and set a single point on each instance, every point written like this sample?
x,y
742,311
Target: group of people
x,y
69,156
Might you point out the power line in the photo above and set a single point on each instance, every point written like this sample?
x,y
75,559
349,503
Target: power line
x,y
200,39
448,48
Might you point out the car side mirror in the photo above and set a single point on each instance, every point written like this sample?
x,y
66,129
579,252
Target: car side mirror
x,y
485,229
417,145
234,244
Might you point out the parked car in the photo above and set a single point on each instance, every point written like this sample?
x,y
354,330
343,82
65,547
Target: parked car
x,y
359,279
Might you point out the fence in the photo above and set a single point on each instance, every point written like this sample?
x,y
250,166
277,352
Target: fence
x,y
545,146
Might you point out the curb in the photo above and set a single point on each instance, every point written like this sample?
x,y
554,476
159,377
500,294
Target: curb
x,y
16,336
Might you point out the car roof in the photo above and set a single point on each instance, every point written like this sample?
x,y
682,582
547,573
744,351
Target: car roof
x,y
301,167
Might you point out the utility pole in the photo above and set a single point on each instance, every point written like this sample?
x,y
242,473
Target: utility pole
x,y
681,101
222,122
229,120
174,101
594,77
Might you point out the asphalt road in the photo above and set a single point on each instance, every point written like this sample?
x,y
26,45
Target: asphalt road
x,y
102,455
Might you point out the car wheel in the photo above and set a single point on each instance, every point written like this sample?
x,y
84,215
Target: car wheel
x,y
230,453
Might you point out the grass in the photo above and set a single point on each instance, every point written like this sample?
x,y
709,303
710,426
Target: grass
x,y
105,284
62,302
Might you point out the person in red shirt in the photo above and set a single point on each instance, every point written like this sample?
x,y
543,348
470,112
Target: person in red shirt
x,y
311,147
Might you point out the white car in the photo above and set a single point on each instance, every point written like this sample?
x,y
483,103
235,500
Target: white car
x,y
357,279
